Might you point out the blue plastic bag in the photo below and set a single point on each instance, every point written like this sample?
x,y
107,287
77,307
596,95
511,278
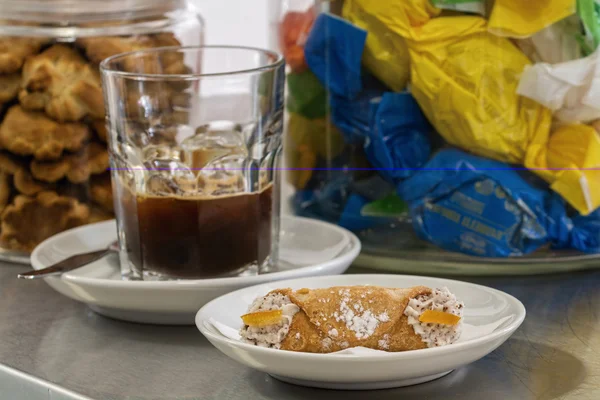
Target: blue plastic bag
x,y
333,52
391,126
353,220
398,139
325,202
354,116
481,207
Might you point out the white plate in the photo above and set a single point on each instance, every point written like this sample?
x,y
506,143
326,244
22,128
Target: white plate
x,y
490,317
432,260
311,248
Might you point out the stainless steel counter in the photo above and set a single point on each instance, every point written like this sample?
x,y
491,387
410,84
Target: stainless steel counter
x,y
53,348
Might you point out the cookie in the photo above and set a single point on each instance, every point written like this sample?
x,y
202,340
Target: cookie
x,y
9,87
61,82
101,191
14,50
77,168
32,133
48,212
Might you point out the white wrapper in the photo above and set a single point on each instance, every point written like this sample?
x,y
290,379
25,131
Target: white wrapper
x,y
570,89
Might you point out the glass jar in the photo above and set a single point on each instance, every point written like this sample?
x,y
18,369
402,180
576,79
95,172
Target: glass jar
x,y
456,136
54,161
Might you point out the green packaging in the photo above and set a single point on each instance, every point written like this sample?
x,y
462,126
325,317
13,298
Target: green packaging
x,y
306,96
589,12
389,206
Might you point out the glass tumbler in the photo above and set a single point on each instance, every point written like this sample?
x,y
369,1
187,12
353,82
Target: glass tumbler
x,y
194,159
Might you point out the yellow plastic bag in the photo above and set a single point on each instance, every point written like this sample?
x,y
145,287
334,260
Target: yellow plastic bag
x,y
400,16
320,135
387,23
300,164
523,18
465,81
386,53
307,140
570,163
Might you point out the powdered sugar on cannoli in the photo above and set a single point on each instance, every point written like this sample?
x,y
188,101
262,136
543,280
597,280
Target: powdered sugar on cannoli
x,y
358,319
439,300
270,336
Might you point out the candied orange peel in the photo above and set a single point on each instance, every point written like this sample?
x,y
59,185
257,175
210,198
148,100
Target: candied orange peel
x,y
262,318
439,317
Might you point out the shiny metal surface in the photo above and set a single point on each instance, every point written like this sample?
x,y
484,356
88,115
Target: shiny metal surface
x,y
11,256
70,263
554,355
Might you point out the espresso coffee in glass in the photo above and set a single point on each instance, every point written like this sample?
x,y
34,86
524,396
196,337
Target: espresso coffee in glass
x,y
194,160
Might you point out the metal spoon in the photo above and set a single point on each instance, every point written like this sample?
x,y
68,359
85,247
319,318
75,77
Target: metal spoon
x,y
71,263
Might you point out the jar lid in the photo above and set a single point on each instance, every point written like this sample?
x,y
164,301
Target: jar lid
x,y
75,11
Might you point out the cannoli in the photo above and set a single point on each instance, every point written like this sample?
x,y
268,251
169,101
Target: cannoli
x,y
337,318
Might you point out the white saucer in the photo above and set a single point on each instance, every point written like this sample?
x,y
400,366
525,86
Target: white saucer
x,y
490,318
309,247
